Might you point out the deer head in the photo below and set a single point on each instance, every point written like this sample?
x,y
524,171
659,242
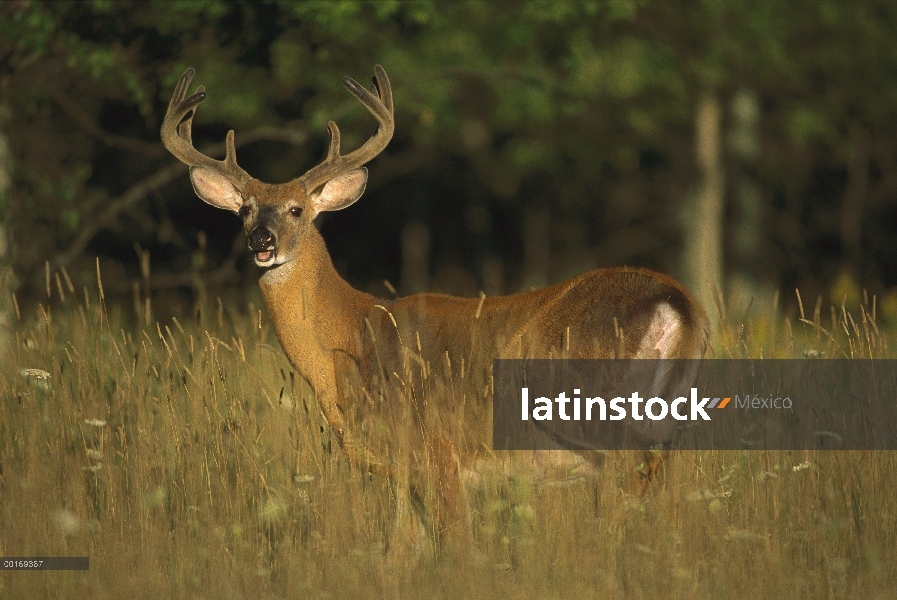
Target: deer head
x,y
276,216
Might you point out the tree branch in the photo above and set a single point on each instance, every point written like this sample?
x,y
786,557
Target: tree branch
x,y
80,116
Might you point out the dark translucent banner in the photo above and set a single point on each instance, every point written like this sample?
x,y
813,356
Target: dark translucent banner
x,y
695,404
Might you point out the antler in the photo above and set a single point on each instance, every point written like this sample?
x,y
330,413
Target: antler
x,y
176,135
379,102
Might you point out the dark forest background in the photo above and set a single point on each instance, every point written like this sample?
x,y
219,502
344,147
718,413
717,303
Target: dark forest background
x,y
749,147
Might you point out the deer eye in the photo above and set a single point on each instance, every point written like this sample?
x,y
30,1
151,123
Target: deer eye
x,y
244,210
296,211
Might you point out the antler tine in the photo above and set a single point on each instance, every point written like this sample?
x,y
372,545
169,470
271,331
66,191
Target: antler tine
x,y
185,129
177,134
333,151
379,102
384,90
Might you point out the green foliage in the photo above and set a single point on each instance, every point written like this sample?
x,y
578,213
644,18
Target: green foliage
x,y
548,88
808,125
31,29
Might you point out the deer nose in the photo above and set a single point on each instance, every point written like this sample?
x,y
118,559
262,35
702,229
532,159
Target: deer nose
x,y
261,239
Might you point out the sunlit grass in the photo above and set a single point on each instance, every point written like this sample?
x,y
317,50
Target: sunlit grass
x,y
187,459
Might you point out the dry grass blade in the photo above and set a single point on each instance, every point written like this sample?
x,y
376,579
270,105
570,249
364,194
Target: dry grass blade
x,y
188,472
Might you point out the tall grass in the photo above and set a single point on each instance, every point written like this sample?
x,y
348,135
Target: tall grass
x,y
188,460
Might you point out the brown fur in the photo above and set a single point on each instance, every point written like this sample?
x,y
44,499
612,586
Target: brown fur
x,y
328,336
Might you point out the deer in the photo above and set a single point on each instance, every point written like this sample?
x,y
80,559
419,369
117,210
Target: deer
x,y
330,331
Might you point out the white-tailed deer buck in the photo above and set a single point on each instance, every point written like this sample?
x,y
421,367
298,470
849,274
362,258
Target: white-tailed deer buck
x,y
332,332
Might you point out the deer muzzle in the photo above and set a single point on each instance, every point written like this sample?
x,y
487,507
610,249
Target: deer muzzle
x,y
262,241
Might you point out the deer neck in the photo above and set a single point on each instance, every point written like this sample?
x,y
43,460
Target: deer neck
x,y
315,312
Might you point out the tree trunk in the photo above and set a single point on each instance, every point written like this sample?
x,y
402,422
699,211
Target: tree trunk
x,y
7,280
415,276
703,225
536,248
745,281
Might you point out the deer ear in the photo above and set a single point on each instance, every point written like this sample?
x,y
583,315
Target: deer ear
x,y
215,189
341,191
